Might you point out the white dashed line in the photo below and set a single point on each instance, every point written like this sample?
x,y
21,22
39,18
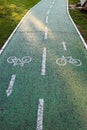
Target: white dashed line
x,y
46,33
46,19
64,46
48,12
43,68
40,114
10,88
51,6
53,2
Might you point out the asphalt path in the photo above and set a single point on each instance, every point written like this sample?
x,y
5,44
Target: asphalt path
x,y
43,72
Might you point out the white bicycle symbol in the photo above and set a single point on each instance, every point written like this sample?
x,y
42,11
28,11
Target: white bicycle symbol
x,y
17,61
62,61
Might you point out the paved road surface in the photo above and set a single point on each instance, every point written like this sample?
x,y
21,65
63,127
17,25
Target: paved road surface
x,y
43,73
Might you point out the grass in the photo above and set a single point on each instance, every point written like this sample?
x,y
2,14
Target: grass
x,y
74,1
80,18
11,12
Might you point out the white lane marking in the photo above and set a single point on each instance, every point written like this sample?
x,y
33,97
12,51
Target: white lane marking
x,y
10,88
46,33
53,2
40,114
1,51
48,12
46,19
64,46
51,6
43,68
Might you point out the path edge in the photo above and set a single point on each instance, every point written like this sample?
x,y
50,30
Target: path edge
x,y
81,37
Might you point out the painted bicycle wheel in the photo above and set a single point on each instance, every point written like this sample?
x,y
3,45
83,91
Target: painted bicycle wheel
x,y
77,62
61,61
12,59
26,59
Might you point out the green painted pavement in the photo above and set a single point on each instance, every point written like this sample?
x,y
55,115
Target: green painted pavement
x,y
40,44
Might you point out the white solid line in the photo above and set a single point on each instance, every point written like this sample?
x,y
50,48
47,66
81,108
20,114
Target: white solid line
x,y
76,27
10,88
1,51
46,19
64,46
46,33
40,114
43,68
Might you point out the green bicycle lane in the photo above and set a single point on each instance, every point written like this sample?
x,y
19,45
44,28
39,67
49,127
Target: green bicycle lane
x,y
44,36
